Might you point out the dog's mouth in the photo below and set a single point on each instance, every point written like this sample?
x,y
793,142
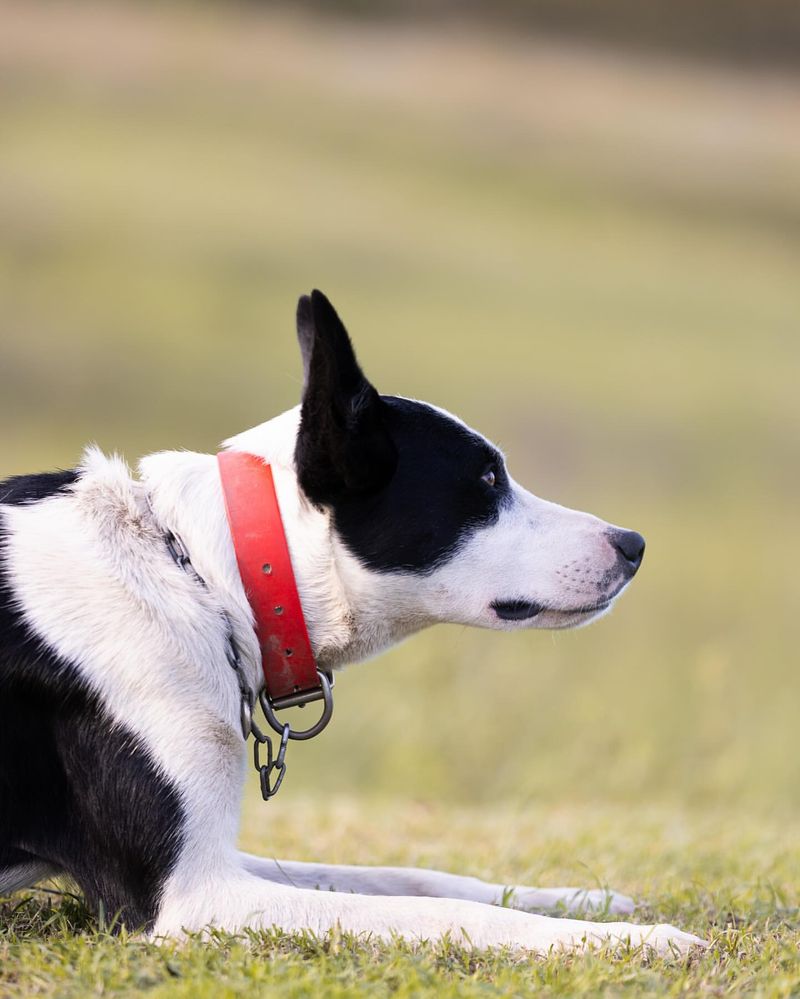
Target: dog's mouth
x,y
516,610
527,610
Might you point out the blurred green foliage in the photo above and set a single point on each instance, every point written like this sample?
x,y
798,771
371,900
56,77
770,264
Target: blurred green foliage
x,y
592,259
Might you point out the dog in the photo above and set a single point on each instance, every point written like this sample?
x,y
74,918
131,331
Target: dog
x,y
121,745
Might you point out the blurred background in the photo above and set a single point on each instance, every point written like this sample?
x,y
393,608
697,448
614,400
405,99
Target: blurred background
x,y
577,225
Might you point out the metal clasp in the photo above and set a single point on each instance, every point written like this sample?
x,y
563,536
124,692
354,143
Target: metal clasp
x,y
323,693
277,765
265,770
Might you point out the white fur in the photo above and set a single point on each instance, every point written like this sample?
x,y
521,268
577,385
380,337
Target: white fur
x,y
96,584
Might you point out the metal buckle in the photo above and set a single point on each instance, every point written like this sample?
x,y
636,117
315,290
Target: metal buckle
x,y
323,693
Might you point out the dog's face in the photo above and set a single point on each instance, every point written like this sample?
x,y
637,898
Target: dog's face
x,y
424,509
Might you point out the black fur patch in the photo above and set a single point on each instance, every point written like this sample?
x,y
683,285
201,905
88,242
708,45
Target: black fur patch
x,y
436,496
76,788
343,446
30,488
404,481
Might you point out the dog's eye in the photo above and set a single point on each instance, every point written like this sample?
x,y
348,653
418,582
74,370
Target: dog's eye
x,y
489,477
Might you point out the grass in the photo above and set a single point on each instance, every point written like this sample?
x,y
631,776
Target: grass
x,y
592,257
733,880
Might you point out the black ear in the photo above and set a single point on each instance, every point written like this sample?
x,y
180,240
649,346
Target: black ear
x,y
305,334
343,445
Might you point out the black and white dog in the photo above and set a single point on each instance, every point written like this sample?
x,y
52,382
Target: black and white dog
x,y
121,753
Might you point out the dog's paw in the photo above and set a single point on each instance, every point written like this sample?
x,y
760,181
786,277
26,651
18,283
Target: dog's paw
x,y
665,940
547,935
571,900
661,939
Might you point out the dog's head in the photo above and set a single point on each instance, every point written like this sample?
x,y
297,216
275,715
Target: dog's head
x,y
426,522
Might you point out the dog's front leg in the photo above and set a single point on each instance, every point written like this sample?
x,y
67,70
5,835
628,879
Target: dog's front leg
x,y
433,884
244,901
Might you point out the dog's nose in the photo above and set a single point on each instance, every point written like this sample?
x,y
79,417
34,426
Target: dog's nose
x,y
630,545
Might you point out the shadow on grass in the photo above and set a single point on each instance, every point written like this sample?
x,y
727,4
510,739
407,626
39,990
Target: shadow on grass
x,y
45,913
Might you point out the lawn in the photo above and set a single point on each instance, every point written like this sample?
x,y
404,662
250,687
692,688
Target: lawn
x,y
731,878
592,257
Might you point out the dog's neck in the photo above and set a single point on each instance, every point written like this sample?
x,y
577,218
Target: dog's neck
x,y
346,609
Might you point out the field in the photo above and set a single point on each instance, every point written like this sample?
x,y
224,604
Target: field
x,y
591,256
731,878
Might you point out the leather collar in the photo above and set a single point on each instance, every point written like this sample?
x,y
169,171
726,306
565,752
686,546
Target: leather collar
x,y
262,553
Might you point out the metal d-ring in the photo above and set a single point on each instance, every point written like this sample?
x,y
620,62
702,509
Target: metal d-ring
x,y
324,694
246,716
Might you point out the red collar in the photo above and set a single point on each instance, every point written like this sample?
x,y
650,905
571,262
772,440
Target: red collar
x,y
259,540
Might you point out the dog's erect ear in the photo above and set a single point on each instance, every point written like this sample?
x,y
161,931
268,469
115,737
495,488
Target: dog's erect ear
x,y
305,334
343,445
